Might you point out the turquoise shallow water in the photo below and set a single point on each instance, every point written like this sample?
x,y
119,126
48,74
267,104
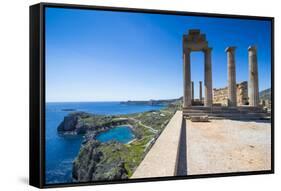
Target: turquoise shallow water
x,y
122,134
62,150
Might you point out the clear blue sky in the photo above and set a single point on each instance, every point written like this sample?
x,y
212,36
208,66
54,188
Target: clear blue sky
x,y
114,56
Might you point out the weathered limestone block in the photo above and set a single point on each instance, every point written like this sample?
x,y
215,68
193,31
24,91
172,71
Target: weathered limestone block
x,y
204,118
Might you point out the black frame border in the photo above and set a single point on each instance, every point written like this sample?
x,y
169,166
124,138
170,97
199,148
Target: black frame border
x,y
37,94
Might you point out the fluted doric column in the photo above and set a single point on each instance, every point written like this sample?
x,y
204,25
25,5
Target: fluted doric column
x,y
192,91
187,78
208,101
253,86
231,76
200,90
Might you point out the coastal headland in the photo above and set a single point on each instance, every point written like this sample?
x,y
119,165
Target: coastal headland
x,y
113,160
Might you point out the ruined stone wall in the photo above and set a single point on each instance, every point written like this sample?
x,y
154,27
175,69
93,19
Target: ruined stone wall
x,y
220,95
242,93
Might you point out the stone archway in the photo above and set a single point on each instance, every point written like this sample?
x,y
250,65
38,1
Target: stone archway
x,y
196,41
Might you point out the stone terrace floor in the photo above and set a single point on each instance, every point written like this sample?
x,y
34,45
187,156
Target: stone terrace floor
x,y
219,146
223,146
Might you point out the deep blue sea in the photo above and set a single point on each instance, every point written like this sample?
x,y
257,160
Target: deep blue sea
x,y
62,150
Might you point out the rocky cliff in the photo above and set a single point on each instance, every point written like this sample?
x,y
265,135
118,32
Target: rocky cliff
x,y
81,123
99,161
112,160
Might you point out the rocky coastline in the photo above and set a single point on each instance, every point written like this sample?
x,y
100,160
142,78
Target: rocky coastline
x,y
88,124
93,163
112,160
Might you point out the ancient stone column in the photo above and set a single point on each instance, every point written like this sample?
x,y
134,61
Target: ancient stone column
x,y
187,78
208,101
192,90
231,76
200,90
253,84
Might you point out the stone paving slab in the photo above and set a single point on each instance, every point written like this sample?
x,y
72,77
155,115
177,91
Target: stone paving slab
x,y
161,160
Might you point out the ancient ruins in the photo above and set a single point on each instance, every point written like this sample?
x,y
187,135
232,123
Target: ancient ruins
x,y
186,147
234,101
220,95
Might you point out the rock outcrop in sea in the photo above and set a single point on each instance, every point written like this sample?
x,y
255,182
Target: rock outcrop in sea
x,y
81,123
72,123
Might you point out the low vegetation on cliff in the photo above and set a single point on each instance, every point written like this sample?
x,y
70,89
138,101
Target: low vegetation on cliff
x,y
113,160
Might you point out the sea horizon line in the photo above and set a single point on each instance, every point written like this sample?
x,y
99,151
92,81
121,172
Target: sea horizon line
x,y
107,101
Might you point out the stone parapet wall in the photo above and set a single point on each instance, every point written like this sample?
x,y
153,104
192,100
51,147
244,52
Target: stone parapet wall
x,y
220,95
162,158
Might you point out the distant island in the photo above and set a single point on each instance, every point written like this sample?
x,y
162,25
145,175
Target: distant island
x,y
70,109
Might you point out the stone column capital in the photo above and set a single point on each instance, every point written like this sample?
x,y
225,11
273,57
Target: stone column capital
x,y
207,49
230,49
252,48
186,50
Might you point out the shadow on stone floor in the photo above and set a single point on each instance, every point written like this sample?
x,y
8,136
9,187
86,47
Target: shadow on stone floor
x,y
182,158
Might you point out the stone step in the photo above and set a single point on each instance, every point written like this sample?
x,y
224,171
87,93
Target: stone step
x,y
241,117
203,118
194,111
225,113
257,110
225,110
228,115
217,111
240,108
